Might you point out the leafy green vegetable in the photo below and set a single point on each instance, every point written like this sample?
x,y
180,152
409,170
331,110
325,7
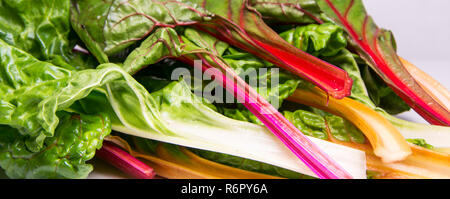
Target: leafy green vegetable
x,y
107,27
39,27
24,83
65,154
288,11
324,40
33,91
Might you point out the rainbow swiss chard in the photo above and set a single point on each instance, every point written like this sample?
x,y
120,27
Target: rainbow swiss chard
x,y
122,23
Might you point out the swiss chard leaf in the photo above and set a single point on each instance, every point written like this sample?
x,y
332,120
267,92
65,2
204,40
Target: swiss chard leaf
x,y
107,27
319,40
24,83
65,154
40,27
377,47
288,11
33,91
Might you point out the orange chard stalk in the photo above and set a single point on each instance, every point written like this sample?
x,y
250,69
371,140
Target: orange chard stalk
x,y
386,140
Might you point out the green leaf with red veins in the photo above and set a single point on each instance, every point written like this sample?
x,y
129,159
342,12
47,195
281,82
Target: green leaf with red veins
x,y
242,26
377,47
108,26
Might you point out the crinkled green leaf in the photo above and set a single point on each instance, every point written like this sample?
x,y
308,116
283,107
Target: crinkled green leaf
x,y
24,83
107,27
33,91
161,44
320,125
40,27
288,11
319,40
65,154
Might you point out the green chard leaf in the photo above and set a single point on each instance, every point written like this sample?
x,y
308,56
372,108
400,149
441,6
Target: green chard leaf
x,y
40,27
33,91
76,140
319,124
319,40
288,11
108,27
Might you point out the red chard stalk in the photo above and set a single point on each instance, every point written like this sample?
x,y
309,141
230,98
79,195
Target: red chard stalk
x,y
243,27
318,161
124,161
